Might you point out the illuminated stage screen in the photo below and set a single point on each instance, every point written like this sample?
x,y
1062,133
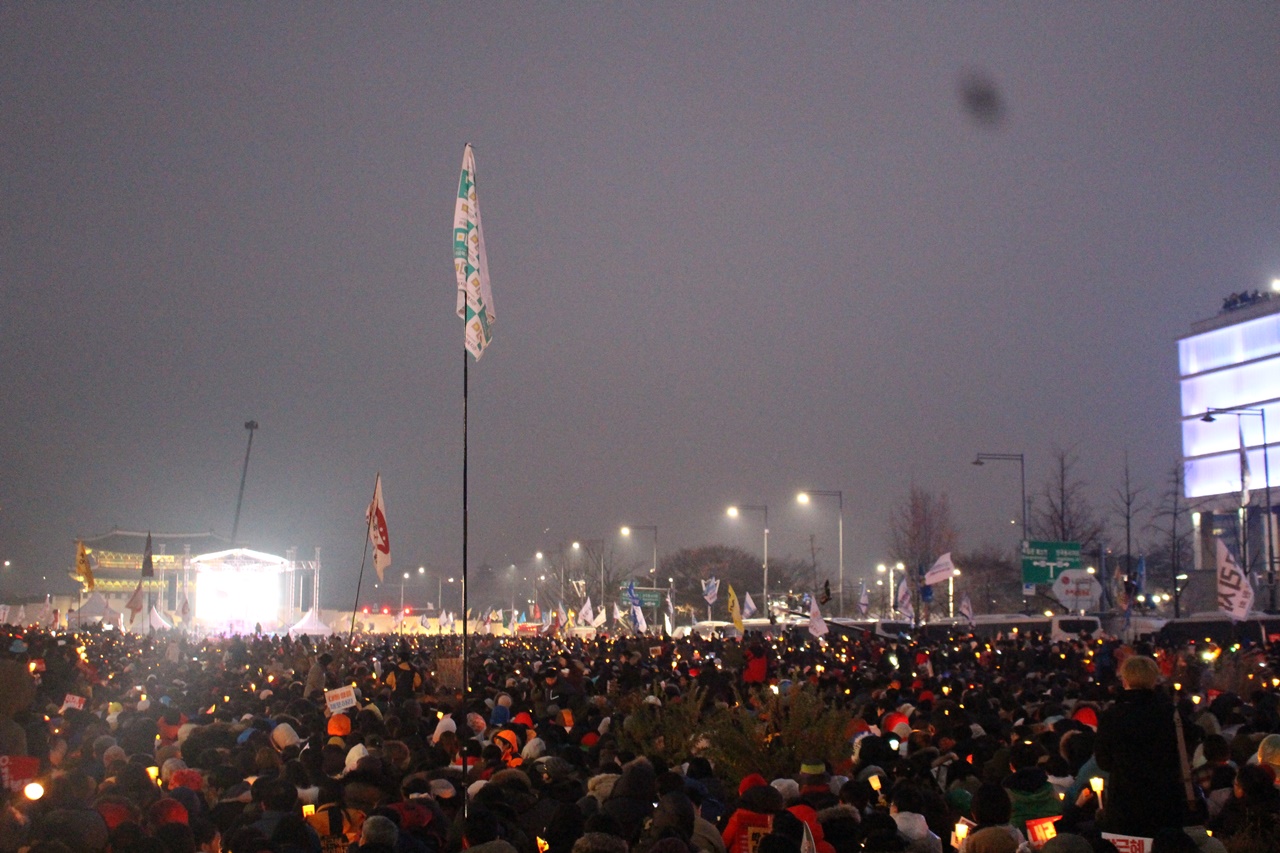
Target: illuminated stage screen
x,y
233,600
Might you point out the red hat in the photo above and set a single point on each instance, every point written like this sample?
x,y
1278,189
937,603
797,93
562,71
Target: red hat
x,y
590,739
523,719
1086,715
339,725
167,810
192,779
752,780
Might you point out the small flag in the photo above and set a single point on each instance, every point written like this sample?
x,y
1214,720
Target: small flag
x,y
524,617
376,517
617,613
1140,576
1246,476
864,601
735,611
748,607
632,596
941,569
537,612
601,617
470,264
562,617
711,590
148,567
966,608
817,625
825,595
83,570
1235,592
637,619
671,607
904,599
587,616
135,603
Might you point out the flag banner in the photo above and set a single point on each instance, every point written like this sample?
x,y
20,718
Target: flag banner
x,y
666,624
135,604
735,612
817,625
617,613
711,590
941,570
966,608
1235,592
537,612
864,601
148,567
633,597
671,608
748,607
904,599
83,570
637,619
376,517
562,616
587,616
1246,476
602,616
824,597
470,263
1140,576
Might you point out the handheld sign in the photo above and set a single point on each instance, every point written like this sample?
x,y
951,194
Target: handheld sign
x,y
340,699
73,701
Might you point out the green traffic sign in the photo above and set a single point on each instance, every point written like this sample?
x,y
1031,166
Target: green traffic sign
x,y
1042,562
648,597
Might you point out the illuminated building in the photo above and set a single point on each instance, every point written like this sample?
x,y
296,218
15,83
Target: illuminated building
x,y
1229,368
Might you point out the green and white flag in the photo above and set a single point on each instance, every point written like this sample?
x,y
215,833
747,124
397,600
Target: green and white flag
x,y
470,265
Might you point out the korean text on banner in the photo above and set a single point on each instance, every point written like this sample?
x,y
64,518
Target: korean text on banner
x,y
340,699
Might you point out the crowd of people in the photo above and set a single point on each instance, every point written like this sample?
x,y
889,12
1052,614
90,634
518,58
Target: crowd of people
x,y
167,744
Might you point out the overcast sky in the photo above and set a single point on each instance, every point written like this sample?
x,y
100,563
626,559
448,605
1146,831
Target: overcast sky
x,y
736,250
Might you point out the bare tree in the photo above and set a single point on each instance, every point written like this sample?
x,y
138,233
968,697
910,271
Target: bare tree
x,y
1172,552
920,531
991,578
1062,512
1127,502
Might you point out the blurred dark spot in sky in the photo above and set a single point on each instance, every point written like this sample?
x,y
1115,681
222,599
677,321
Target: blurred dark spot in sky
x,y
981,99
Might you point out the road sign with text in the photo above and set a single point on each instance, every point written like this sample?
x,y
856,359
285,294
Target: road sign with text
x,y
1042,562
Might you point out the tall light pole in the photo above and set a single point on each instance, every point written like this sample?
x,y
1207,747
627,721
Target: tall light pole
x,y
402,583
653,528
1240,411
951,592
1022,467
803,498
734,512
244,472
893,595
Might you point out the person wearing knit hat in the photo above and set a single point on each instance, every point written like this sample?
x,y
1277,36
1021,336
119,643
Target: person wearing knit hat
x,y
758,801
339,725
283,736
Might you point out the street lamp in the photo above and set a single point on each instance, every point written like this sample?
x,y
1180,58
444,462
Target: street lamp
x,y
653,528
803,498
951,592
1022,466
734,512
1239,411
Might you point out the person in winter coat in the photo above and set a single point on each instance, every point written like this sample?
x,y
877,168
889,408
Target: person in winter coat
x,y
906,807
632,800
1137,745
758,802
1030,791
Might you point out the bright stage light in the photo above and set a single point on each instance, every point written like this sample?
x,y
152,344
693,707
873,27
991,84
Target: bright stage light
x,y
235,598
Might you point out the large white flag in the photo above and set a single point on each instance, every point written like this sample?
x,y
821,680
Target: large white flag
x,y
966,608
376,516
637,619
748,607
470,264
586,615
1235,592
817,625
711,590
941,569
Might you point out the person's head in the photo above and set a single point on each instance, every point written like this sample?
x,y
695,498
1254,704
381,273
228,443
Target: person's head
x,y
378,829
1254,781
991,805
1139,672
1024,754
906,798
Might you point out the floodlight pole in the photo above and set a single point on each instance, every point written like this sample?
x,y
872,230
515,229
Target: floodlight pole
x,y
244,472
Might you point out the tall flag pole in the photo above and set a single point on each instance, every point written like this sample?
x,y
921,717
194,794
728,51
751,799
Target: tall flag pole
x,y
148,572
475,307
376,508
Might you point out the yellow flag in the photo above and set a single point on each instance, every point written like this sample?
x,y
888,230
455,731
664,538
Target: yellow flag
x,y
83,570
735,610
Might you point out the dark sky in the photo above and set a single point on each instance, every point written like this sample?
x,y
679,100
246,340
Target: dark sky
x,y
735,250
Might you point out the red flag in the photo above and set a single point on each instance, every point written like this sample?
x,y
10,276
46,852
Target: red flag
x,y
135,603
377,520
537,612
148,570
